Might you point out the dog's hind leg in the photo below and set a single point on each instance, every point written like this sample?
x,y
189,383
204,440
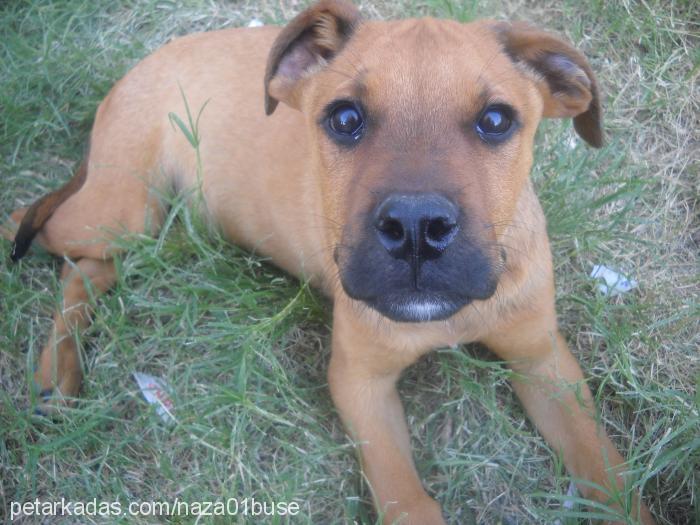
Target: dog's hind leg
x,y
83,229
59,372
112,194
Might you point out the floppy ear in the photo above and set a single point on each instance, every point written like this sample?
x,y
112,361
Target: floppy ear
x,y
307,43
562,75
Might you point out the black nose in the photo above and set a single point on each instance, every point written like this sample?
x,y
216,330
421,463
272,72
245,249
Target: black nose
x,y
416,227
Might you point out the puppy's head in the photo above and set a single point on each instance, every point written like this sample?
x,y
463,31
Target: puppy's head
x,y
423,134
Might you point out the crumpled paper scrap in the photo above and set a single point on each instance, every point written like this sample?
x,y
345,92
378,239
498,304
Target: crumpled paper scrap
x,y
614,283
155,391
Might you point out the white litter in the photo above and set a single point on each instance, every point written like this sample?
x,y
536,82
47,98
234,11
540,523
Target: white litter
x,y
256,23
615,282
568,503
155,391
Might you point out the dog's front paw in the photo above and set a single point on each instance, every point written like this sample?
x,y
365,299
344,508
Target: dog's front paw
x,y
423,511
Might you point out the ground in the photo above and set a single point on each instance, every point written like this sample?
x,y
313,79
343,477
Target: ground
x,y
245,348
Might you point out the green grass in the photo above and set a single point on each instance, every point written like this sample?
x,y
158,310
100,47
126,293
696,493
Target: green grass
x,y
245,347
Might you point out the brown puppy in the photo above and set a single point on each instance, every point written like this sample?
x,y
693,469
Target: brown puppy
x,y
394,176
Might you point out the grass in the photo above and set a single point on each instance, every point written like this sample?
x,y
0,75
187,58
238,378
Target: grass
x,y
245,348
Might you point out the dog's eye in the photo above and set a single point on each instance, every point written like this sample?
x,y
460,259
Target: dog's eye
x,y
345,122
495,123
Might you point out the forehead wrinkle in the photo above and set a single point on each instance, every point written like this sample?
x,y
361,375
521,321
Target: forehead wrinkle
x,y
421,78
419,97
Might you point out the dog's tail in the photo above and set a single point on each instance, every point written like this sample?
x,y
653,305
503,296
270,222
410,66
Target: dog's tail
x,y
41,211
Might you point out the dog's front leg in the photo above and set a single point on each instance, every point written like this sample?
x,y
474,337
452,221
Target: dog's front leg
x,y
362,378
549,382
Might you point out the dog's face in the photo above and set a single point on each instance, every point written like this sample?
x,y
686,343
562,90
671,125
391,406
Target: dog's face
x,y
423,132
425,141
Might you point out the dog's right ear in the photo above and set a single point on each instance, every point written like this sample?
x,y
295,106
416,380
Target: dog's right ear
x,y
306,44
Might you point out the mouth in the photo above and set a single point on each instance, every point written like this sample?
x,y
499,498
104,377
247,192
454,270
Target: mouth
x,y
417,307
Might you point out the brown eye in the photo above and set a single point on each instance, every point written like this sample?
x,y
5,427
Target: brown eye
x,y
495,123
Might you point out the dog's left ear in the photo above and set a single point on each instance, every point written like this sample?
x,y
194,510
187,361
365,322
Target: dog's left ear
x,y
305,45
562,75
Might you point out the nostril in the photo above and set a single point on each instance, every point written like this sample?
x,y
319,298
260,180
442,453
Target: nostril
x,y
390,229
438,229
439,232
416,227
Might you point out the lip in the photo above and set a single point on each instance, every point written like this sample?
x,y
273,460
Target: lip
x,y
417,307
